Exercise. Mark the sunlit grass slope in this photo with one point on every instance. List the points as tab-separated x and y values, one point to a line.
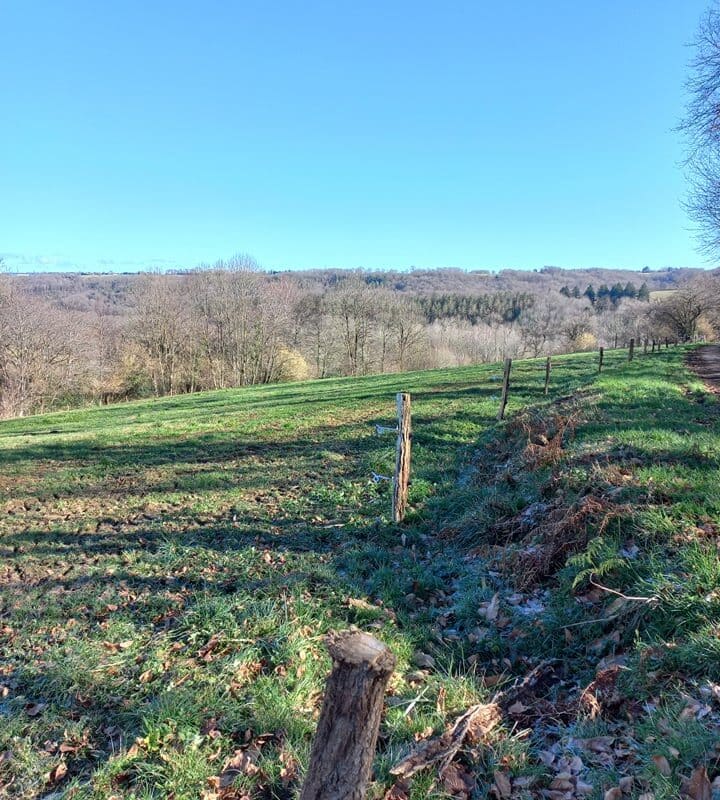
170	568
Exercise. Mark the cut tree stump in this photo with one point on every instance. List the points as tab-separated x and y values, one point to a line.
344	744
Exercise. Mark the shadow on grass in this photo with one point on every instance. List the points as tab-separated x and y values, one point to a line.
287	519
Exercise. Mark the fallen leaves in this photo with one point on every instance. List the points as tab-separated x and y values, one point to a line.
477	721
662	765
400	790
457	781
502	786
56	774
423	660
117	647
244	762
697	786
35	709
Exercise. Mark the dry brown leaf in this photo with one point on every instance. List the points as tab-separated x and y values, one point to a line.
502	787
56	774
546	757
425	733
698	787
115	647
613	794
400	790
457	781
563	782
290	768
241	763
423	660
490	612
598	744
663	767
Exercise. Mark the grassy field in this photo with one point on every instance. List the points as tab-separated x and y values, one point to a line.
170	569
662	294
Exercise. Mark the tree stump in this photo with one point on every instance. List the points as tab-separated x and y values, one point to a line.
344	745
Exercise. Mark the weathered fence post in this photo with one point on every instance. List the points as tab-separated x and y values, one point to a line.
505	388
547	375
344	745
602	356
631	351
402	458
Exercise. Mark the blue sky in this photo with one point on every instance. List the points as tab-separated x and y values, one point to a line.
311	134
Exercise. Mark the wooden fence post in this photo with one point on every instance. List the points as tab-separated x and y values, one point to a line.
602	356
631	351
402	458
505	388
344	745
547	375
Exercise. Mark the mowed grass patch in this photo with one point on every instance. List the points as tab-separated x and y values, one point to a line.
170	569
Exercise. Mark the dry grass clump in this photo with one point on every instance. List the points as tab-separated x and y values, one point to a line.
561	531
545	434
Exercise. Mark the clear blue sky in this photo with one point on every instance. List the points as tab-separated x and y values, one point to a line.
463	133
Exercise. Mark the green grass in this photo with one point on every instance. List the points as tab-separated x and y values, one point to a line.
170	568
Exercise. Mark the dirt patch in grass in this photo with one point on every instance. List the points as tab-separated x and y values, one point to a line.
705	363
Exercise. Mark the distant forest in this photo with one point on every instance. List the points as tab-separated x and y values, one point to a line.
70	339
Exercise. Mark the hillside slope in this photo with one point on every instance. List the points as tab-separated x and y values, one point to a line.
170	568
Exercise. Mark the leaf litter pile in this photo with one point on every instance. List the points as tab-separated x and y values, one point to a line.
555	613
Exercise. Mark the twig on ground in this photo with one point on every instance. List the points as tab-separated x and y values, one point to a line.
479	720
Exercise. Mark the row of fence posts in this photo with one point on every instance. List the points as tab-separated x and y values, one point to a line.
401	478
507	368
646	342
344	745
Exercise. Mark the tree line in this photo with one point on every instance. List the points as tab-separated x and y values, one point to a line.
608	295
231	325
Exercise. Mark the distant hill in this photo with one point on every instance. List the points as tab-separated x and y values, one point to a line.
113	293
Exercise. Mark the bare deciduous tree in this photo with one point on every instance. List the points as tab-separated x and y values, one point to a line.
681	312
39	352
703	133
